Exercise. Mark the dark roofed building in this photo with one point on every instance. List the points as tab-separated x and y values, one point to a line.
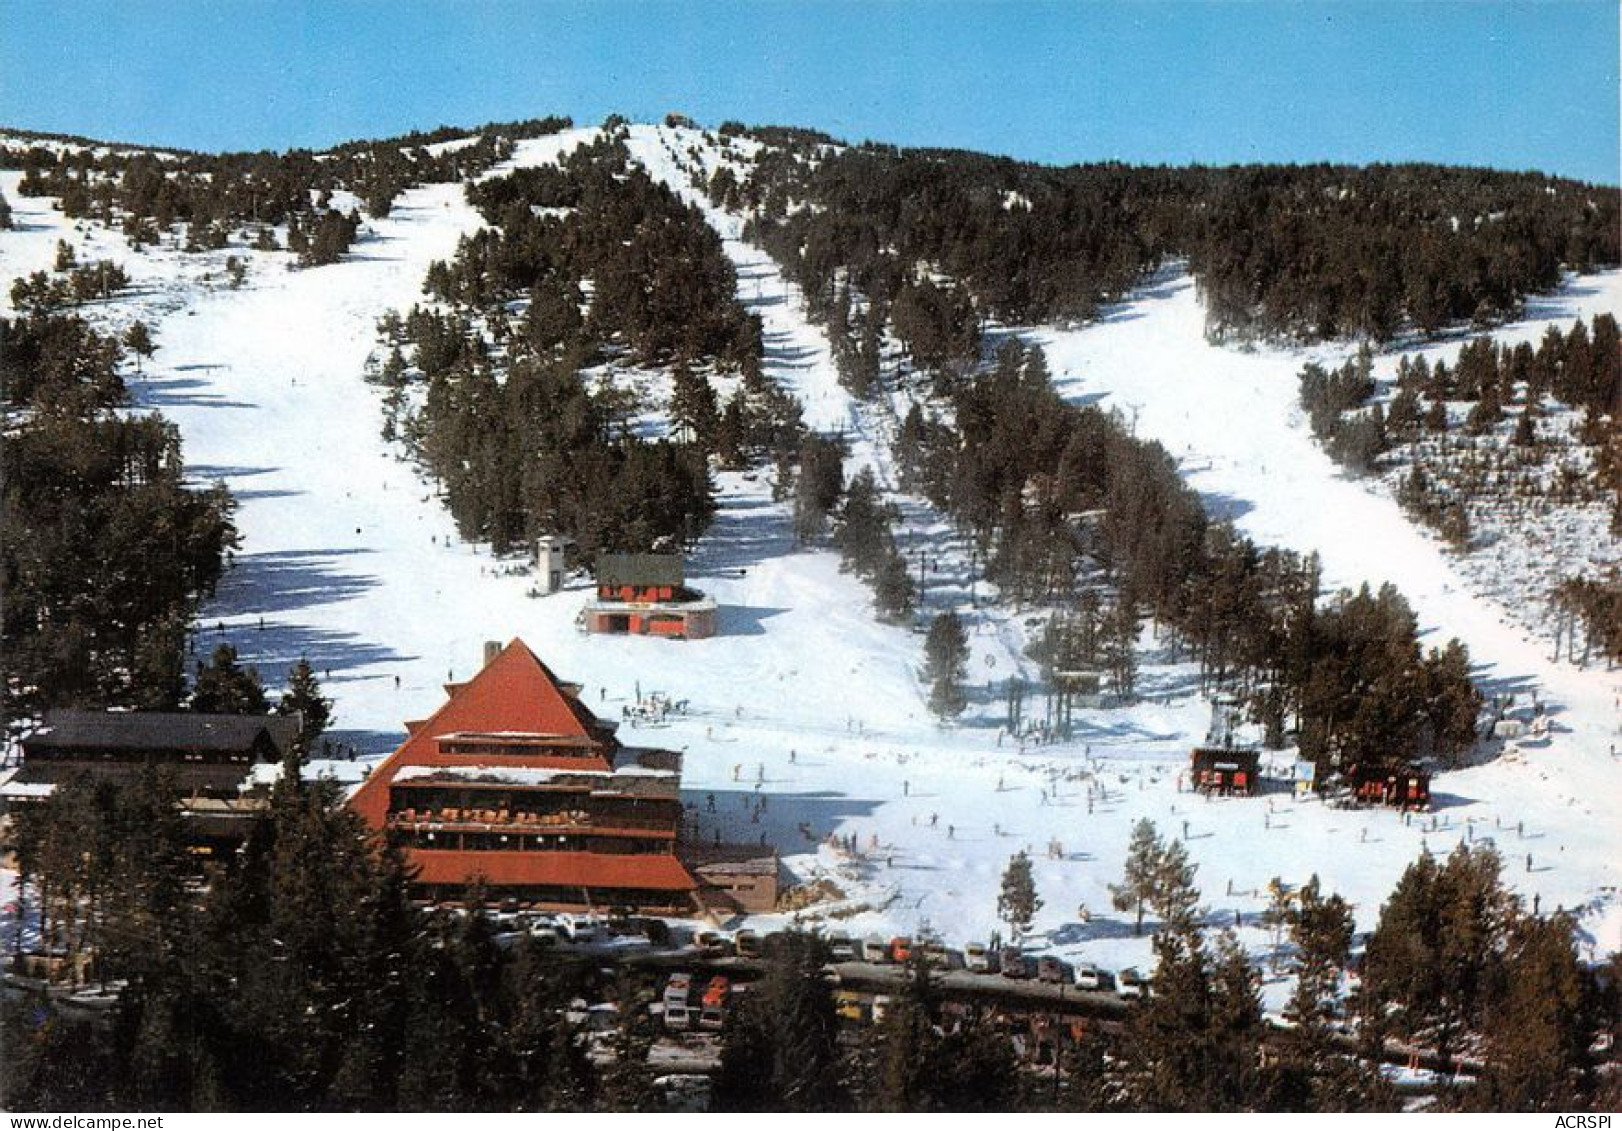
639	572
1400	786
647	595
165	735
1225	770
206	758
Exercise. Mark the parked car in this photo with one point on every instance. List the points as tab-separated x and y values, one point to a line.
713	943
656	931
978	958
842	948
581	928
1131	983
712	1012
748	944
850	1006
1088	976
1052	970
1013	963
900	949
874	949
684	1092
544	934
937	954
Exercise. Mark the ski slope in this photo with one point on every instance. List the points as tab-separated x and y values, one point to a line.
349	558
1232	418
799	358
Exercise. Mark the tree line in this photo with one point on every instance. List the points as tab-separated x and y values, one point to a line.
108	550
147	192
1456	964
71	284
1449	421
1579	369
937	241
1068	509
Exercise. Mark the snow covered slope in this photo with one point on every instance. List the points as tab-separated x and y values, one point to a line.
1232	418
803	700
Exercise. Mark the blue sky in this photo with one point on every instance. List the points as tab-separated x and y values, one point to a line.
1492	82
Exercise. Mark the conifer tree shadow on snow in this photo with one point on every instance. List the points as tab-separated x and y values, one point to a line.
282	581
337	657
744	620
792	823
745	532
1098	927
180	392
366	743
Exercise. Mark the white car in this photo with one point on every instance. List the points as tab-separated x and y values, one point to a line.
580	928
977	958
1089	977
1131	983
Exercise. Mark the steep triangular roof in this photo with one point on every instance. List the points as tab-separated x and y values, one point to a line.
514	694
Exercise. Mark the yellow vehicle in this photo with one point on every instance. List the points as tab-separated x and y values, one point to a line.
850	1006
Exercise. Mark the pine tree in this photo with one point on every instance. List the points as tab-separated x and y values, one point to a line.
894	594
1120	642
979	1071
921	1060
1526	432
627	1083
224	687
1018	904
1438	947
1144	858
303	698
731	431
1321	928
1195	1044
863	533
780	1051
1173	896
1314	1074
139	340
907	1069
693	406
1487	411
818	485
1537	1023
946	661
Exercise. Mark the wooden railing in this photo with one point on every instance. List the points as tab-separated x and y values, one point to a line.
501	820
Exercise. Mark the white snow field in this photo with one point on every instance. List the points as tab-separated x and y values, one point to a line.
349	558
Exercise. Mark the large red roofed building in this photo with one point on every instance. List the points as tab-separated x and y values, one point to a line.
516	787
